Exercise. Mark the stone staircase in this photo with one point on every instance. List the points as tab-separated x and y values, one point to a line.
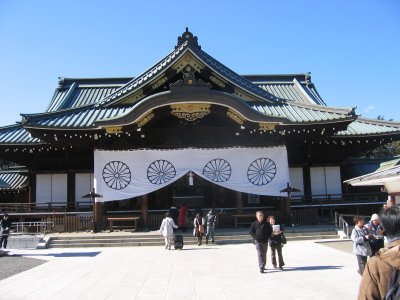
222	236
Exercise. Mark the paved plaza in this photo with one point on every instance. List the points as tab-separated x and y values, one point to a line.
313	271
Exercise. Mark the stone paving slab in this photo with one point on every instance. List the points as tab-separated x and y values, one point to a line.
313	271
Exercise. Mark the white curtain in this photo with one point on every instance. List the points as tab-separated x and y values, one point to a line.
124	174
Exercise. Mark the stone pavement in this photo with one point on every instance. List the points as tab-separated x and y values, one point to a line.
313	271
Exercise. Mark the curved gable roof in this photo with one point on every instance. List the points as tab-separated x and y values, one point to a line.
188	46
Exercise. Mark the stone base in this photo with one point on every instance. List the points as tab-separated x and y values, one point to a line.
23	241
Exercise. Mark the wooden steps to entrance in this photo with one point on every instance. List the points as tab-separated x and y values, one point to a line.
222	236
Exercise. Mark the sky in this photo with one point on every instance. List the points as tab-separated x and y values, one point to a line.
351	47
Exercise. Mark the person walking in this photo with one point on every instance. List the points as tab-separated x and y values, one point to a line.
174	214
198	231
375	228
167	230
5	225
361	248
276	242
182	217
211	220
261	231
379	269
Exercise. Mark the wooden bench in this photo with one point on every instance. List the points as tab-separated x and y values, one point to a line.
115	219
243	219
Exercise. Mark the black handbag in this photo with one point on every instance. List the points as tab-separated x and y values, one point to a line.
283	237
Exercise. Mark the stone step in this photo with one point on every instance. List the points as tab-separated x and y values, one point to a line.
157	240
186	235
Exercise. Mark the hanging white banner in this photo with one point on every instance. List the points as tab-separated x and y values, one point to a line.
121	175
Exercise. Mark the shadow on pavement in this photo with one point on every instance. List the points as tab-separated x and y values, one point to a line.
62	254
308	268
201	248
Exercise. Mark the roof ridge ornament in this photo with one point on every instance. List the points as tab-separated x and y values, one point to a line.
189	79
189	37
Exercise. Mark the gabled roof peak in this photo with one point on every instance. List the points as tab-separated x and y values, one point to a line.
189	37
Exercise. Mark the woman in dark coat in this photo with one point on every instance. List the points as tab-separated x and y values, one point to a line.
198	230
275	242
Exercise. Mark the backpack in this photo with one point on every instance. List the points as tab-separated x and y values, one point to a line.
393	292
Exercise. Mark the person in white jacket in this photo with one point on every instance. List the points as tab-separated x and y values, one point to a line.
167	230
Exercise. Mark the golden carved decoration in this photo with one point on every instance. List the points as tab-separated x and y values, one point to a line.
190	111
235	116
143	121
159	82
267	126
217	81
188	59
114	129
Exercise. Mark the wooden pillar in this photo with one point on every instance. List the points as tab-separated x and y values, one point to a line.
239	203
97	213
71	191
145	210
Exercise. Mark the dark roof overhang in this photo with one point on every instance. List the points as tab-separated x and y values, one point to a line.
187	94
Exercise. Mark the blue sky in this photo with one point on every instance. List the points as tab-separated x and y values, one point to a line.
351	48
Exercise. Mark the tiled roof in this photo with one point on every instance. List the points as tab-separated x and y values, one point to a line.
76	118
376	178
15	134
297	113
15	180
172	57
148	75
4	185
356	167
364	126
240	81
77	92
356	170
293	87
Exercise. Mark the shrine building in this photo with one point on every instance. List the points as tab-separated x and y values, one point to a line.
191	130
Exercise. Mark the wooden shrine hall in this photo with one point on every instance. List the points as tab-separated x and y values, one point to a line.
190	100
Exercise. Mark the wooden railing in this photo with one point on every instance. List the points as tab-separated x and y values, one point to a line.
339	198
49	206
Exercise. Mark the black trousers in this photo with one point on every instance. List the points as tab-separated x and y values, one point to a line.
274	249
261	254
3	241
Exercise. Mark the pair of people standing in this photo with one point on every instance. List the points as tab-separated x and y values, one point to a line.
201	224
261	231
367	239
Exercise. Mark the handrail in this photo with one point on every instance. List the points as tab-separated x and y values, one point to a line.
41	227
343	225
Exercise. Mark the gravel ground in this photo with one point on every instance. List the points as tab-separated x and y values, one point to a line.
11	265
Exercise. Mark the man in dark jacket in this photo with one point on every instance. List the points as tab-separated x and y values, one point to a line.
5	225
261	231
